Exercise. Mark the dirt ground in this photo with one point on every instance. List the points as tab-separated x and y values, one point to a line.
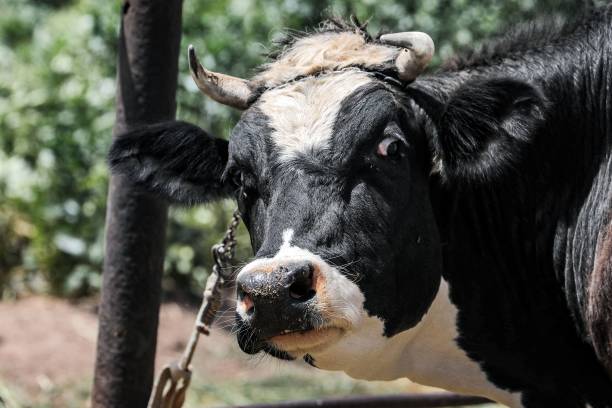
46	343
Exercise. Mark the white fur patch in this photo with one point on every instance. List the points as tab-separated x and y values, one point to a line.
287	237
302	114
331	51
427	353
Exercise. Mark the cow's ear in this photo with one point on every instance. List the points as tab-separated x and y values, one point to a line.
484	127
176	160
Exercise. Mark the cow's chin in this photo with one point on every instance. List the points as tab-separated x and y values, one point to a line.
299	343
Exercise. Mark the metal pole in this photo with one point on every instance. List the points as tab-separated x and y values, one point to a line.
149	44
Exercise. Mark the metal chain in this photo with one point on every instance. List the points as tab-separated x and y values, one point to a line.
223	253
221	276
171	385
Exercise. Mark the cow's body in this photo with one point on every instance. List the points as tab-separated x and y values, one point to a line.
528	257
456	230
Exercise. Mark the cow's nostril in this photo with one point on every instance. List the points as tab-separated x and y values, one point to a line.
301	294
249	306
301	289
245	299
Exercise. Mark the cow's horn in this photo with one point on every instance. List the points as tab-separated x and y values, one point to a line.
418	48
225	89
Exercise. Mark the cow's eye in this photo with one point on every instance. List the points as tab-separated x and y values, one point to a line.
237	178
246	190
243	180
390	147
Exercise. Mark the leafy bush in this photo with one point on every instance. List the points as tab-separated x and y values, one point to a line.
57	87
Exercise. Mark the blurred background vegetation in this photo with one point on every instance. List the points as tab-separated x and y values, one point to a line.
57	88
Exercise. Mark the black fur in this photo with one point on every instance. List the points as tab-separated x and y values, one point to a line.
518	41
177	160
484	125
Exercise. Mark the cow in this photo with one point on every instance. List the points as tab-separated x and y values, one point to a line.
452	227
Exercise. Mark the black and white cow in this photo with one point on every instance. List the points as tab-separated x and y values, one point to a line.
454	228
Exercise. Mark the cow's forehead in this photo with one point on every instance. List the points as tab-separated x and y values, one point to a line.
325	52
302	114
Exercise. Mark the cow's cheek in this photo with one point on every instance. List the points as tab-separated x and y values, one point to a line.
359	352
340	300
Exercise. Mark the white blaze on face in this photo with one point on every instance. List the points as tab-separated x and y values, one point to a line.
426	353
287	237
302	114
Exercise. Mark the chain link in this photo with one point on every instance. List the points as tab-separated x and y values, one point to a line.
223	253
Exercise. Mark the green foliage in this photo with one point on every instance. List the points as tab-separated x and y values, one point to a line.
56	116
57	87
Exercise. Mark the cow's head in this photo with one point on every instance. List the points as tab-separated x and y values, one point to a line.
330	164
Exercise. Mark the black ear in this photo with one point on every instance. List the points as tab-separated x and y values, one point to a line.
176	160
484	127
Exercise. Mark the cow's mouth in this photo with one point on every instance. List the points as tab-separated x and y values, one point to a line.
289	344
300	342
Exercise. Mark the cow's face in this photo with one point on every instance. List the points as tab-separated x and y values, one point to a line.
332	174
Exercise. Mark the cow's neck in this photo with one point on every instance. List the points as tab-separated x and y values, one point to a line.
427	353
518	252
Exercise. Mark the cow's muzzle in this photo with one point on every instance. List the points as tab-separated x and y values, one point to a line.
278	299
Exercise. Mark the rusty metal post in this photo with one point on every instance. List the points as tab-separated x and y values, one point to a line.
149	44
